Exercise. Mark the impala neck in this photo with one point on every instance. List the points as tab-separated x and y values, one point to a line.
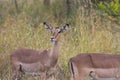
54	54
54	51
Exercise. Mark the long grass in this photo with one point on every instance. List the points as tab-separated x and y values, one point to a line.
87	33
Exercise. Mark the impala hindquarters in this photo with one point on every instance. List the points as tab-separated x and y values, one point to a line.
105	65
36	62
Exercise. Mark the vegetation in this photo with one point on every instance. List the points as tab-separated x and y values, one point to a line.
111	9
89	31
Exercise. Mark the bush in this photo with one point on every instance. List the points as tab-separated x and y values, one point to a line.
111	8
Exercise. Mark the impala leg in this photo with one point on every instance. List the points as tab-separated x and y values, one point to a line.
13	73
43	76
16	73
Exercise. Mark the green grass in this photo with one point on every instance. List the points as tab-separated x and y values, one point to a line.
87	33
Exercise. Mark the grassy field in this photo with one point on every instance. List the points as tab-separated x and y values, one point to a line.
87	33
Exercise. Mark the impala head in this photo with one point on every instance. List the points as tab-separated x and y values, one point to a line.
55	31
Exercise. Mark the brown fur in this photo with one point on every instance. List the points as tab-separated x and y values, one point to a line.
104	64
26	55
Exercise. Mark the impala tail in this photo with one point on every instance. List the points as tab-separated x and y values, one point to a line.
71	68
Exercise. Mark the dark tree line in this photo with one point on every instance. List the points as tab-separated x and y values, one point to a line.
70	4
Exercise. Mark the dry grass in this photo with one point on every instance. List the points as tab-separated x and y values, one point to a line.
16	33
88	33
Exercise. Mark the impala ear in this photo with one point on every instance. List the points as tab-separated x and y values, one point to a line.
47	26
65	27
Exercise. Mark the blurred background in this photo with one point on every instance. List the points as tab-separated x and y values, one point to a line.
94	27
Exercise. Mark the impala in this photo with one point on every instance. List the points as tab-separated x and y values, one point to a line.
105	65
36	62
